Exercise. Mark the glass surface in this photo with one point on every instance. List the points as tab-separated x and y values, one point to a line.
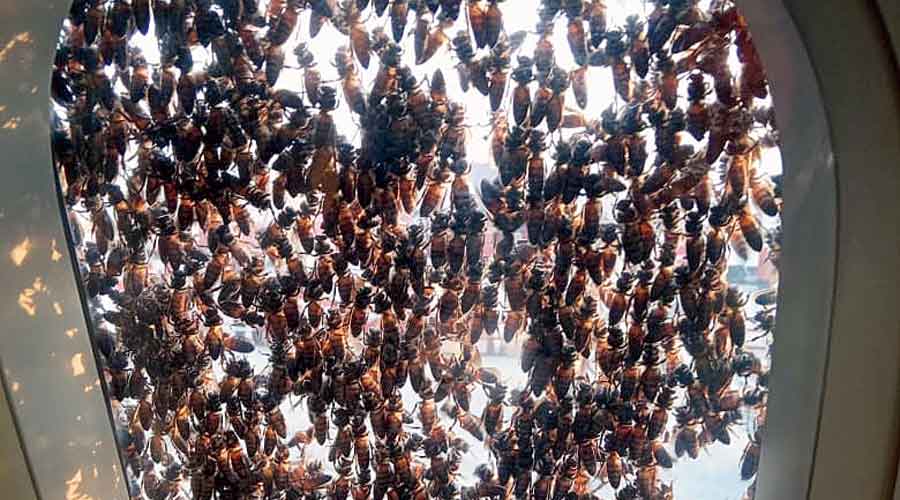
162	240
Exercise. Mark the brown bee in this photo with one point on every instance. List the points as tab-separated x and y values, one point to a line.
698	117
753	75
399	12
763	194
559	83
638	49
498	70
578	78
616	50
469	422
359	35
750	458
575	34
750	229
614	469
350	80
596	15
434	192
312	78
687	441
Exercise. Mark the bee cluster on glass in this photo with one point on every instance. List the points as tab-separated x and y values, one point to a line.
204	202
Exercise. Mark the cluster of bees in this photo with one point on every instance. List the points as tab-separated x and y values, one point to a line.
203	199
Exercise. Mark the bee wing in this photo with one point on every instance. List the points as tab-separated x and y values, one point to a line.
765	297
516	39
399	15
490	376
361	43
449	408
476	15
493	24
316	21
237	344
433	41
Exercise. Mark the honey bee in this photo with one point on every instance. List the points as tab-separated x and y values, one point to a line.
616	50
750	229
750	458
350	80
597	21
498	70
575	34
434	192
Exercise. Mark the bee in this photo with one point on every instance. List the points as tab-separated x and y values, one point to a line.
434	192
498	69
285	21
472	291
523	76
638	49
597	21
763	193
136	274
753	76
470	423
454	140
359	35
750	457
616	50
750	228
618	300
578	78
141	10
575	34
312	78
559	83
698	116
350	80
668	80
687	439
734	303
469	69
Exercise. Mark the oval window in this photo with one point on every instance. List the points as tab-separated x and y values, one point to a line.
435	248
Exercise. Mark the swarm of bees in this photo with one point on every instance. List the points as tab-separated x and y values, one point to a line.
205	200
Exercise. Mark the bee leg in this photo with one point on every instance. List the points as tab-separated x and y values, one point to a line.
444	199
764	334
155	246
358	128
